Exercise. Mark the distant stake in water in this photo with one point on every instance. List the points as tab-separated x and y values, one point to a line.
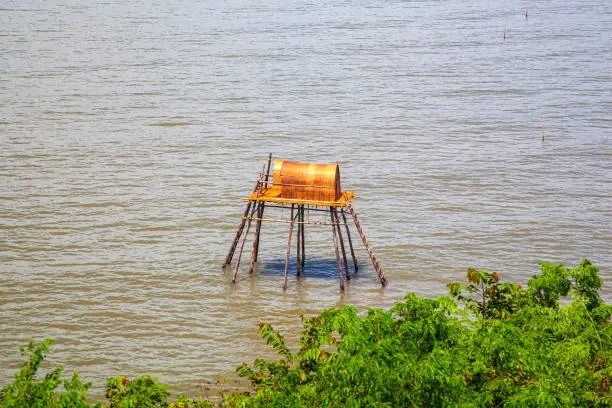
527	10
505	27
543	113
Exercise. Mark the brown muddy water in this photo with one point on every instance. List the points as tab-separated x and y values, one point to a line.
131	131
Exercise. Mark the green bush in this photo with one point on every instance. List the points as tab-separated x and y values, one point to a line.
26	391
142	392
486	344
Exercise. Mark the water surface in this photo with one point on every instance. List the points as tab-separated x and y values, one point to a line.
130	132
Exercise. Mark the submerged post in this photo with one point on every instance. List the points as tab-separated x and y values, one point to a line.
331	212
288	250
253	207
242	246
298	260
303	260
350	241
230	255
346	268
256	191
260	212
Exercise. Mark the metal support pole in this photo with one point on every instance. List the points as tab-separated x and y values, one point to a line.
288	250
337	220
298	260
377	267
230	255
303	236
242	246
268	170
350	241
331	213
261	212
254	252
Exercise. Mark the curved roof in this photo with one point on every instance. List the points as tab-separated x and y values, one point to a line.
307	181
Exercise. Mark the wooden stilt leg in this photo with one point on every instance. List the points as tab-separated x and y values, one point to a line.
230	255
298	259
249	206
260	210
377	267
261	213
242	246
267	176
337	220
350	241
303	236
334	230
288	249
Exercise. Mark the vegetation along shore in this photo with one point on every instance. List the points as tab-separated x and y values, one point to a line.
488	343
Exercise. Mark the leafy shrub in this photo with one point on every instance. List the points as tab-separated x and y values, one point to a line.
142	392
487	344
26	391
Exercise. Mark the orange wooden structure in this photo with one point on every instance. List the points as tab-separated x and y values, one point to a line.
307	181
300	186
303	184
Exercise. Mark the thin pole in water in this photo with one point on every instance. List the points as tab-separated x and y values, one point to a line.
303	237
505	27
337	220
348	234
543	114
334	233
299	241
244	238
288	250
255	251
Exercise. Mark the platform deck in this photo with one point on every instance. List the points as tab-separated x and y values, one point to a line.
272	194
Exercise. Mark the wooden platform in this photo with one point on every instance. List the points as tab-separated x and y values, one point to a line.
273	194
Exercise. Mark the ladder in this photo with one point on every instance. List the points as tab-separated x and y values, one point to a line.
375	263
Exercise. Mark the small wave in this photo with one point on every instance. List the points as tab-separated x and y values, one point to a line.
171	124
